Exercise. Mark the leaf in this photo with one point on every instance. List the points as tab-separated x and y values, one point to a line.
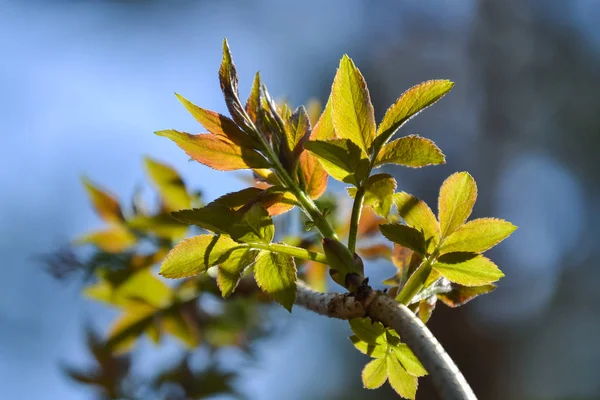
375	373
195	255
351	109
297	131
162	225
460	295
404	236
231	270
314	175
417	214
374	350
106	206
253	225
379	191
216	153
410	103
340	260
169	184
402	259
314	110
410	151
467	269
375	251
115	239
341	158
457	197
236	200
275	274
368	331
219	125
478	236
129	326
228	78
178	324
401	381
323	129
213	217
275	199
409	361
253	104
426	308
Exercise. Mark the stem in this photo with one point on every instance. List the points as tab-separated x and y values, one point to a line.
298	252
355	218
416	281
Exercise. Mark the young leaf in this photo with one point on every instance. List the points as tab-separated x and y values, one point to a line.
405	236
417	214
253	225
410	151
375	251
468	269
182	328
379	193
375	373
478	236
297	131
213	217
275	274
368	331
457	197
275	199
169	184
253	103
409	361
401	381
129	326
460	295
229	85
115	239
314	175
412	102
340	260
323	129
213	152
107	207
341	158
378	350
352	111
217	124
195	255
231	270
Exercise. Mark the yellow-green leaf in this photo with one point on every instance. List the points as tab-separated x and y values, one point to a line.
315	176
467	269
401	381
324	129
105	204
417	214
409	361
130	326
217	124
374	350
169	184
297	131
405	236
352	111
412	102
341	158
253	225
228	79
426	308
253	104
176	324
368	331
213	152
375	373
379	191
213	217
410	151
457	197
195	255
231	270
275	274
115	239
460	295
478	235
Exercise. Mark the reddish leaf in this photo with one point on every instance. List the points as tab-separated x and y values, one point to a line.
315	176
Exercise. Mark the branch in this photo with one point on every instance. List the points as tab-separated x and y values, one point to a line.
447	378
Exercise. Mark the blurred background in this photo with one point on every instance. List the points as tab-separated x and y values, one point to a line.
85	83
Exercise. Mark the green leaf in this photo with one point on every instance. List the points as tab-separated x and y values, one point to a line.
213	217
352	111
169	184
457	197
409	361
426	308
297	131
195	255
374	350
412	102
478	236
460	295
217	124
315	176
176	323
410	151
228	79
231	270
467	269
106	206
341	158
253	225
323	129
401	381
379	191
161	225
115	239
213	152
275	274
236	200
253	104
405	236
130	326
368	331
375	373
417	214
